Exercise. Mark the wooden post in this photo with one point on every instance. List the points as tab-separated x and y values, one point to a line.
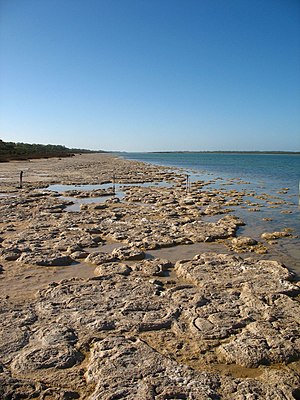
187	184
21	180
114	183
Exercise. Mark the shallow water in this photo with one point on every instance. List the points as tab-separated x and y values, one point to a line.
119	192
271	177
65	188
284	252
75	207
267	183
266	169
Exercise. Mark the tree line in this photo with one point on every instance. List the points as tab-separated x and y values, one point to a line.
24	151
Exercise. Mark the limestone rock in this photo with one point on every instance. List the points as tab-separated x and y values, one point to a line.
199	231
243	244
241	389
10	254
48	348
93	206
78	255
224	271
275	235
99	257
14	329
243	241
109	269
46	260
246	301
128	253
120	302
130	369
155	267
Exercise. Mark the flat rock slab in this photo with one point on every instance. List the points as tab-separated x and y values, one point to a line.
109	269
110	317
269	236
246	302
130	369
219	271
99	257
119	302
128	253
155	267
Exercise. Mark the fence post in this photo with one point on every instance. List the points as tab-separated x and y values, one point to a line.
21	180
114	183
187	184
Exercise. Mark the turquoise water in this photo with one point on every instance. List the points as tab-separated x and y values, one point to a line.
275	171
256	174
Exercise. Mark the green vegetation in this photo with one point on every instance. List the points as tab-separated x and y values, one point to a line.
24	151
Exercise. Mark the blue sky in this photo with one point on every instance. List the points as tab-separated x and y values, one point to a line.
139	75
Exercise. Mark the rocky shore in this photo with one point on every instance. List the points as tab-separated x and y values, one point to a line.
93	308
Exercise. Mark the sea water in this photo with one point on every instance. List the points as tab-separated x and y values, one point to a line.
258	174
274	171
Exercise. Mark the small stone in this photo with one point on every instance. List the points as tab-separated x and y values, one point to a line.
275	235
109	269
243	241
128	253
78	255
99	257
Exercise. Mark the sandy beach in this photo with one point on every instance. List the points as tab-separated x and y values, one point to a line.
136	286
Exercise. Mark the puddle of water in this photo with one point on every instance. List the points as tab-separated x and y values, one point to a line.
87	200
286	250
109	247
120	194
65	188
257	221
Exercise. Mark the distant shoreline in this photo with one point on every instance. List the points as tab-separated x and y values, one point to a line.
28	157
206	152
11	151
221	152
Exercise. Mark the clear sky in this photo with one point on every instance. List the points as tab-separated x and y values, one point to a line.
146	75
